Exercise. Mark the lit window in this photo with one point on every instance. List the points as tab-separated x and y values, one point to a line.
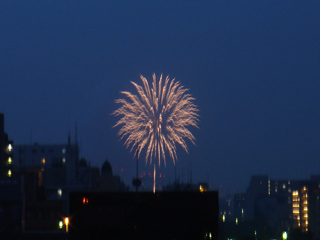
43	160
304	188
223	218
60	224
236	221
64	151
85	200
9	160
283	186
201	188
295	193
63	160
59	192
9	173
10	147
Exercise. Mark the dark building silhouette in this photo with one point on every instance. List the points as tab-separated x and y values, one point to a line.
144	215
6	151
239	204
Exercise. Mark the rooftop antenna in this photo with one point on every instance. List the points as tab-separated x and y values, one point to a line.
76	134
69	138
77	150
80	147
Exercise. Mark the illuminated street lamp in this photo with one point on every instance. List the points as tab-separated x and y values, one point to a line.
66	222
284	235
60	224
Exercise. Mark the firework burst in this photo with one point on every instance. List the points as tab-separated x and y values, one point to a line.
157	118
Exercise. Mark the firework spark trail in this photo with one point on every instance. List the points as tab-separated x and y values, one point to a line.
157	118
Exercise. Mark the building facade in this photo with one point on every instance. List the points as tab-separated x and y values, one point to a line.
6	151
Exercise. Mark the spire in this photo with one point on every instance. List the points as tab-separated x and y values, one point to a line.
69	138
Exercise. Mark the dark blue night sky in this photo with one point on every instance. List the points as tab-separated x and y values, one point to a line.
253	67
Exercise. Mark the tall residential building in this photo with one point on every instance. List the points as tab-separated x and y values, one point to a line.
6	156
239	206
57	163
259	187
305	206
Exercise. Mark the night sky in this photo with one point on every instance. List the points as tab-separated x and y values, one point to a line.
253	67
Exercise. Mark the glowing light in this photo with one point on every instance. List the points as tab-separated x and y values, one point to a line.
66	222
43	160
60	224
9	173
284	236
223	218
9	160
85	200
10	147
157	118
59	192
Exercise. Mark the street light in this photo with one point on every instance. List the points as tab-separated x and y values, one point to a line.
66	222
284	235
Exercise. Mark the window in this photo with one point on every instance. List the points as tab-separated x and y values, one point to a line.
9	147
64	151
56	162
59	192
